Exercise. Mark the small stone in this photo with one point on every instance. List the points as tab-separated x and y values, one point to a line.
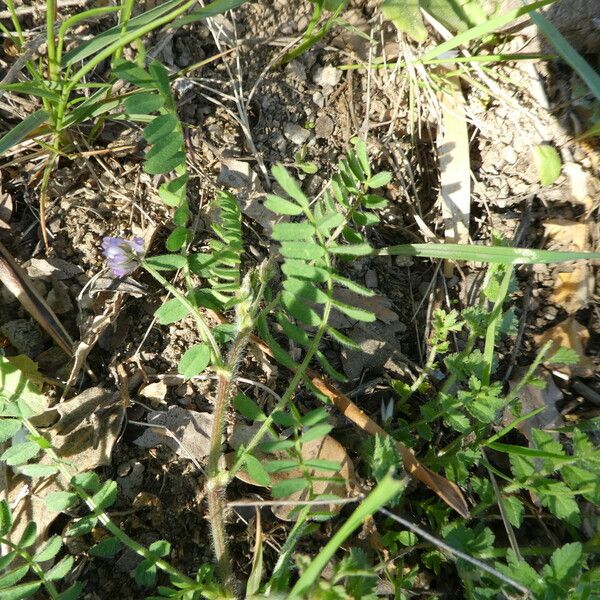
296	134
124	469
155	392
371	279
509	155
58	298
235	174
328	75
318	99
296	70
324	127
24	335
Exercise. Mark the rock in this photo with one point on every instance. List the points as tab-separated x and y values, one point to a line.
318	99
371	279
235	173
58	298
328	75
324	127
56	267
155	392
296	70
296	134
509	155
24	335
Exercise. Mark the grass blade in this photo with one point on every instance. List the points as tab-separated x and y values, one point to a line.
486	254
481	30
568	53
22	130
380	496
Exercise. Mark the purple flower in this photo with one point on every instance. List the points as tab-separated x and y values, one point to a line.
122	256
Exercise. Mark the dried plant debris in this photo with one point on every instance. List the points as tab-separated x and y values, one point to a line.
186	432
533	397
575	336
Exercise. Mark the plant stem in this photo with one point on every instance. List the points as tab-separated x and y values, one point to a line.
215	483
203	328
50	40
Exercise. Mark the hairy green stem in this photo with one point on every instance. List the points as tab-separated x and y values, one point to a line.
215	483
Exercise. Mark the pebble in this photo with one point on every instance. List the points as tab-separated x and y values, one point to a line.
296	134
297	70
328	75
371	280
24	335
510	155
318	99
324	127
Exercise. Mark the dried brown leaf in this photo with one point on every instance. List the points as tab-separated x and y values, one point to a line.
532	398
570	334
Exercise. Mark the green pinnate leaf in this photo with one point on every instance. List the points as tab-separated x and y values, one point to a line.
195	360
380	179
359	314
107	548
159	127
257	471
106	496
290	185
288	487
35	471
145	573
300	310
71	593
49	549
548	163
20	453
167	262
143	103
28	536
302	250
171	311
305	289
315	433
60	569
281	206
177	239
12	577
6	519
60	501
293	232
88	480
19	397
248	408
161	548
8	428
